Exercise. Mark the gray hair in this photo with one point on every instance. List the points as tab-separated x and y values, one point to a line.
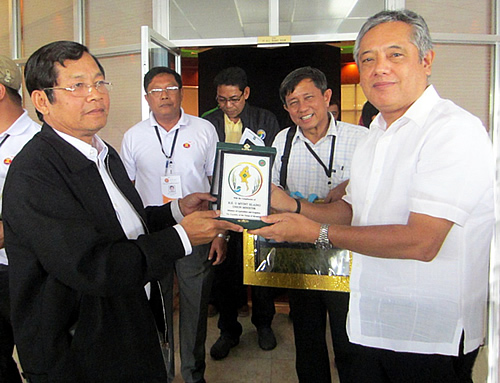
420	37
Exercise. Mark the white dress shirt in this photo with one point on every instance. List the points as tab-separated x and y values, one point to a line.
13	140
305	174
129	219
435	160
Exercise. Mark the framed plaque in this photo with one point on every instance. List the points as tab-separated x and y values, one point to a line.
294	265
242	183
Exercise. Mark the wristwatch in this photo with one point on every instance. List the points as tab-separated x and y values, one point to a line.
323	243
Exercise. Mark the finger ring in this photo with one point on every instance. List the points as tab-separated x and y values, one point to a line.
226	237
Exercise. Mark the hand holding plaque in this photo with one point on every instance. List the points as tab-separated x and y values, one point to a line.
242	183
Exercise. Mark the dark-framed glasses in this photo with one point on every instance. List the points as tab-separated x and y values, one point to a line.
158	92
223	100
83	90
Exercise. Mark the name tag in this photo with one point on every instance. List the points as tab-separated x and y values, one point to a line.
171	187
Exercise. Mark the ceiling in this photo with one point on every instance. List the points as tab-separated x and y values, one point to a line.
195	19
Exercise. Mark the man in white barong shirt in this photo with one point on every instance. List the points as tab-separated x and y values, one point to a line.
418	216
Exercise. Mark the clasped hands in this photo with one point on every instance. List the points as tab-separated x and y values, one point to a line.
200	224
285	225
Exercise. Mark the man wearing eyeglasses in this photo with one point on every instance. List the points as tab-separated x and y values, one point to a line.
81	246
235	115
16	128
168	156
317	164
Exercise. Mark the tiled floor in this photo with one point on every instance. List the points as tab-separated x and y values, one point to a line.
247	363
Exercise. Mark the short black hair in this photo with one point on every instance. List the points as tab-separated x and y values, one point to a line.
295	77
40	71
232	76
367	114
153	72
334	101
14	95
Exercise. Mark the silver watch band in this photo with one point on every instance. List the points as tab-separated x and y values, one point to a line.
323	243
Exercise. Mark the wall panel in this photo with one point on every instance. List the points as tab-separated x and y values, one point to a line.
113	23
455	16
44	22
464	81
4	29
125	111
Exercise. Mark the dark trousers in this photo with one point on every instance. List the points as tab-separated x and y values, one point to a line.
309	309
384	366
226	292
8	368
194	275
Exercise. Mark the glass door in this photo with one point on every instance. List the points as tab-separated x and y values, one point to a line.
156	51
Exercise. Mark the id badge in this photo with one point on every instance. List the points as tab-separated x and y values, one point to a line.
171	188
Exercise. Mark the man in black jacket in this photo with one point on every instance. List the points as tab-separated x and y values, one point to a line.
235	115
80	244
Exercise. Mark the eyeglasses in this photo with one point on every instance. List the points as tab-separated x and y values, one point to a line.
158	92
223	100
83	90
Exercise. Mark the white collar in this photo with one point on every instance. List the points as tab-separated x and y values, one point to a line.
97	149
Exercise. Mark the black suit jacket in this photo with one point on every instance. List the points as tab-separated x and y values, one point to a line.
79	309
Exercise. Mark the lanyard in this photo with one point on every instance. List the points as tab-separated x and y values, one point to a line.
161	145
329	170
4	139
